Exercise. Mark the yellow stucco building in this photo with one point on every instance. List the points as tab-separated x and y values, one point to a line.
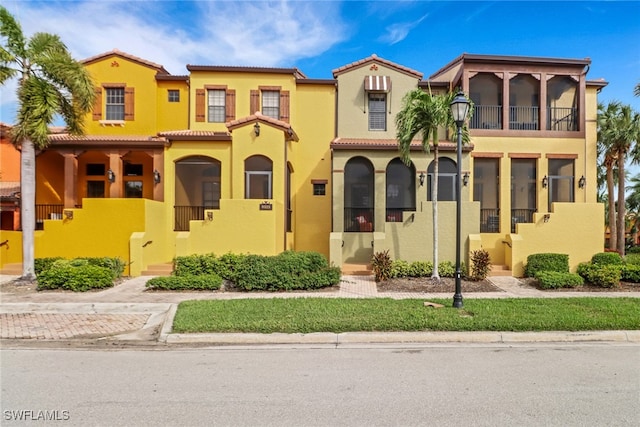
262	160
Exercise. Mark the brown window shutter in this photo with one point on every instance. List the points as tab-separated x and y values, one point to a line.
97	105
230	104
284	106
200	97
129	96
255	101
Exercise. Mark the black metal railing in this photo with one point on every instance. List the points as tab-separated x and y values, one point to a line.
562	118
184	214
490	220
358	220
486	117
524	118
47	212
520	216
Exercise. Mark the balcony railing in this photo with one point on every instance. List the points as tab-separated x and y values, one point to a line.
520	216
184	214
358	220
47	212
487	117
490	220
524	118
395	214
561	118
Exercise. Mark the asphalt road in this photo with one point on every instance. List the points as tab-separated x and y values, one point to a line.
574	384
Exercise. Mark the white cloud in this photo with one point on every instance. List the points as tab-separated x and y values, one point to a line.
397	32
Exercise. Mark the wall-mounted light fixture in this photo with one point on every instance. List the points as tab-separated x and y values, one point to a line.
256	129
111	176
582	182
156	176
546	218
421	179
545	181
68	214
209	216
465	179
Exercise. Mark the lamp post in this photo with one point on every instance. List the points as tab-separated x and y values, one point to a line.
459	110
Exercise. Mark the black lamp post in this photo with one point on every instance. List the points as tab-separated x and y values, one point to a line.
459	110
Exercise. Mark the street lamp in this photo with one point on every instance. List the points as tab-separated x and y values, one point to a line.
459	110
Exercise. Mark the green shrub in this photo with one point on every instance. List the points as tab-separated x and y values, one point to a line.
115	265
327	276
606	276
41	264
420	269
633	250
630	273
447	269
607	258
194	265
546	262
554	280
399	268
633	259
381	263
228	265
208	282
480	264
81	278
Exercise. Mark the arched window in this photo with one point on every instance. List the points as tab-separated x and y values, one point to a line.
400	189
358	195
447	173
258	172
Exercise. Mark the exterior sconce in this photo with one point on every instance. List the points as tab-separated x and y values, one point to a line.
545	182
582	182
68	214
156	176
111	176
421	178
209	216
465	179
546	218
256	129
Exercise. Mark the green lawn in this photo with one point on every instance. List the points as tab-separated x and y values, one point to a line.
307	315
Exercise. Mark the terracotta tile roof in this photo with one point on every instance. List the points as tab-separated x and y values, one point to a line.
9	189
261	118
60	137
195	135
376	58
116	52
242	69
388	144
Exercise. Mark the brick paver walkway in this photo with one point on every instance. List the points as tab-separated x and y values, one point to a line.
52	326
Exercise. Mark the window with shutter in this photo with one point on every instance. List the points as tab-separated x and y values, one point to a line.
129	97
284	106
200	101
216	106
377	111
255	101
271	104
115	103
97	105
231	104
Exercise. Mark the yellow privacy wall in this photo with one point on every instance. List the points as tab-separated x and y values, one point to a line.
11	249
240	226
101	228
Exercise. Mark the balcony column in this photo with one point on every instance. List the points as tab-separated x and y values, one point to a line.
158	165
505	100
70	179
115	187
543	101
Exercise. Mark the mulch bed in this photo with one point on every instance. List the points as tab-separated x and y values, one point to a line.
425	284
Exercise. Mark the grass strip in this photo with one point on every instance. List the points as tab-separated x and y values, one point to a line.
306	315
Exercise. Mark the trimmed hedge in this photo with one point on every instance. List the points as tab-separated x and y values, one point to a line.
607	258
554	280
546	262
42	264
208	282
195	265
606	276
74	276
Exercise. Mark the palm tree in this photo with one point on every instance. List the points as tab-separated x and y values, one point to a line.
50	82
423	113
636	90
618	132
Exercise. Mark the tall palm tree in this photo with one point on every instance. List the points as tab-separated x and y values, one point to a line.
619	132
424	113
50	83
636	90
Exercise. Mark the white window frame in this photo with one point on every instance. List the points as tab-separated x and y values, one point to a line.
377	111
271	103
114	105
249	174
216	105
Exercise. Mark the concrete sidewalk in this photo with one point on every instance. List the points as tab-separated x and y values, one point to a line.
128	315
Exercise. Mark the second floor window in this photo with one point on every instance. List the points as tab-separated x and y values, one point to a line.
174	95
377	111
115	103
271	104
216	104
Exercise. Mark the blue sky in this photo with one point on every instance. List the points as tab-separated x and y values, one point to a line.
319	36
